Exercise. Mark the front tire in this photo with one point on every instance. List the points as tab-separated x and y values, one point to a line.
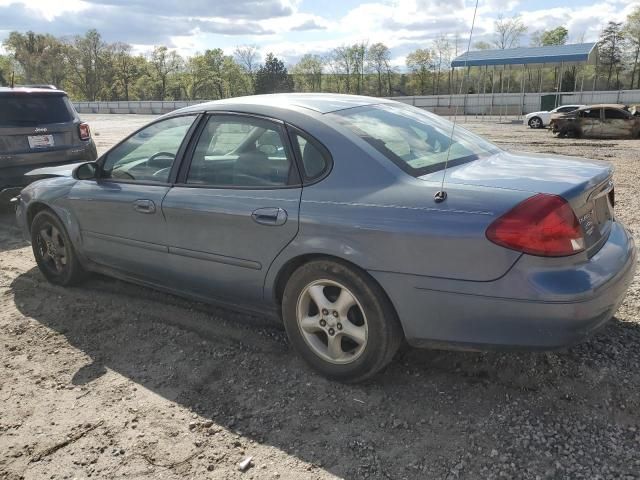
53	250
535	122
340	321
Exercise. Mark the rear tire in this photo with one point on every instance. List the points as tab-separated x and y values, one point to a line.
53	250
340	321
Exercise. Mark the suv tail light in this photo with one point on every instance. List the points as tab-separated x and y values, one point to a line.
85	132
542	225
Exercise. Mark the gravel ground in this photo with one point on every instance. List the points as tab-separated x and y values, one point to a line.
110	380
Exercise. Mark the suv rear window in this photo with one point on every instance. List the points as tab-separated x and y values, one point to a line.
28	110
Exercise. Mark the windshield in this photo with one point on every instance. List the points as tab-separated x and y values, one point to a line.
415	140
27	110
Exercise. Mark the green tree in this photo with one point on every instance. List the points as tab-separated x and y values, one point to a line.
419	62
610	50
164	63
632	34
555	36
272	77
40	57
7	70
87	58
307	73
127	68
378	61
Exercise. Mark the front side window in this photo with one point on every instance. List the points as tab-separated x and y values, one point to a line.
566	109
419	142
592	113
236	151
149	154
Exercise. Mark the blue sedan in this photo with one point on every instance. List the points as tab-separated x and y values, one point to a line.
361	222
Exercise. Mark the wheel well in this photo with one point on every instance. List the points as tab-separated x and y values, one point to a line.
34	209
292	265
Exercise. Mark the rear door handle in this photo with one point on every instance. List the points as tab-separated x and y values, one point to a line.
144	206
269	216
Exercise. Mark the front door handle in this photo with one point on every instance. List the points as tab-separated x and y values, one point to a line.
144	206
270	216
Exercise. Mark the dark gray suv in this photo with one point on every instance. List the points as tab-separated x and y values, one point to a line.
38	127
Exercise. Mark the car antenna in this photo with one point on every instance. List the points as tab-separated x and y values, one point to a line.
441	195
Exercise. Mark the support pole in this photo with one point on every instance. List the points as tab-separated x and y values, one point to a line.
559	87
493	84
506	104
501	94
478	90
522	76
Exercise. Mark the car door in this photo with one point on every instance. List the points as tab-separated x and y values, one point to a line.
234	208
119	213
617	123
590	122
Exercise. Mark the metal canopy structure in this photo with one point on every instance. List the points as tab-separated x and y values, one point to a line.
578	52
525	60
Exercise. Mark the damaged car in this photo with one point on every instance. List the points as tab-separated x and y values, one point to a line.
597	121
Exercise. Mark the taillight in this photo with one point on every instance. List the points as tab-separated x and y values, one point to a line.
541	225
85	133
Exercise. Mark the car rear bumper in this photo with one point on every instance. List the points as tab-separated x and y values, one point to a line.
537	304
14	167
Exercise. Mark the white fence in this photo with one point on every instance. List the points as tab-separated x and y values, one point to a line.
471	104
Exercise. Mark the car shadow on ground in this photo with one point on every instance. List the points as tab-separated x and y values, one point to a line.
427	412
10	235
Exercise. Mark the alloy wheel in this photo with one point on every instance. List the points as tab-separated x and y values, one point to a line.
52	248
332	321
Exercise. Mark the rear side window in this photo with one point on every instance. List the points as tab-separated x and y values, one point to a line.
30	110
315	160
614	113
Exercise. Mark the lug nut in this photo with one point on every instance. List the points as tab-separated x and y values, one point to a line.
325	311
331	331
335	314
339	326
323	323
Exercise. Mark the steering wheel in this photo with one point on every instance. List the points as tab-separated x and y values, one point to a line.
121	174
161	171
251	181
161	154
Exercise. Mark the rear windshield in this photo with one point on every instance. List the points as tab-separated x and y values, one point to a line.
27	110
415	140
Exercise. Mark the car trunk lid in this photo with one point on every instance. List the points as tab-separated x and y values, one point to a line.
586	184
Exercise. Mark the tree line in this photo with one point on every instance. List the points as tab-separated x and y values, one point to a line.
89	68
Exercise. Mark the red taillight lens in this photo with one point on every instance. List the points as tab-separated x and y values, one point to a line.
85	133
541	225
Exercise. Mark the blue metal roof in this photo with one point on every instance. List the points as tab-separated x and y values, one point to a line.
578	52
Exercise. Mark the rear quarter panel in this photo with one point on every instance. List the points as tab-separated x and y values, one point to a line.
370	213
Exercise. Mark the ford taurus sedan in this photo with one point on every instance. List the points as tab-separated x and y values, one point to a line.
328	211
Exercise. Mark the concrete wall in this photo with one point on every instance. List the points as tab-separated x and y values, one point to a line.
141	107
513	103
474	104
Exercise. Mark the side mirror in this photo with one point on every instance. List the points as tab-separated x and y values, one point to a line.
86	171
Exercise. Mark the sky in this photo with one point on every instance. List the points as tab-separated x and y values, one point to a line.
291	28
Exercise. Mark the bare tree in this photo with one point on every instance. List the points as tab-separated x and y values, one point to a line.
248	57
508	32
